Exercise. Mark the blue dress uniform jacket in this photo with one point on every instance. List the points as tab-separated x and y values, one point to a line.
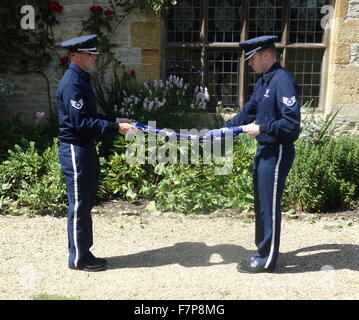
79	124
275	107
76	103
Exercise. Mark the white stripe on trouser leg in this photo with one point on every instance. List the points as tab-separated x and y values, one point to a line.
76	203
275	187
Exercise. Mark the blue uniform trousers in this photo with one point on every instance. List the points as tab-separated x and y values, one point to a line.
270	169
80	165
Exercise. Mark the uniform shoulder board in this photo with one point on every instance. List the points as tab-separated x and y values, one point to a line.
289	101
77	104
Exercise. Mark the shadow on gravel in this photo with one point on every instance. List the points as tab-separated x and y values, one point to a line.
198	254
320	257
187	254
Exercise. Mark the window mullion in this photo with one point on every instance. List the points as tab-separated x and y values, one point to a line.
243	69
285	36
204	43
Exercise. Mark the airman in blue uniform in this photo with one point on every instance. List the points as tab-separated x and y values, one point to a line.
79	124
272	116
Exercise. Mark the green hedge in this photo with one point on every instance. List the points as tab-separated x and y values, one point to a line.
324	176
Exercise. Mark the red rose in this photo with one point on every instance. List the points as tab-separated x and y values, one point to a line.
54	6
96	9
109	12
64	60
133	72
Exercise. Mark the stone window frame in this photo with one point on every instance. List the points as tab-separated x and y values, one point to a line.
243	70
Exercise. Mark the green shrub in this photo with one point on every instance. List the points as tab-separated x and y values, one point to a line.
180	187
324	176
196	188
15	131
30	179
6	89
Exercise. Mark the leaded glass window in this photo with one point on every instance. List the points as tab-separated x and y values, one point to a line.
203	36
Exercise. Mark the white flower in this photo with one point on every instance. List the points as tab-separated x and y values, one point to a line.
150	106
39	116
145	104
206	94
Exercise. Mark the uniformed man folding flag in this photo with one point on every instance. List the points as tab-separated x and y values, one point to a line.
79	124
272	115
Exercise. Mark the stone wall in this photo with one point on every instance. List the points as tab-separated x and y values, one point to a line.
138	47
343	68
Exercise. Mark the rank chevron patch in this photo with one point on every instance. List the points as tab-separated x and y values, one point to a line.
289	101
77	104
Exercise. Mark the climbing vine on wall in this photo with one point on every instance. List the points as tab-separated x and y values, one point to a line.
26	50
30	50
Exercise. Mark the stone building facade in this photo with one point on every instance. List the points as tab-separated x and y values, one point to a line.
343	65
140	45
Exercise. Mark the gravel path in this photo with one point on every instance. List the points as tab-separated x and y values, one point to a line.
172	256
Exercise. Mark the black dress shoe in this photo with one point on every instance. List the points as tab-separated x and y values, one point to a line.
91	266
252	266
95	260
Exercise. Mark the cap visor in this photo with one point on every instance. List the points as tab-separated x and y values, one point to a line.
249	56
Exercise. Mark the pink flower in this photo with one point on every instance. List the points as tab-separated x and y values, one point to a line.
39	116
133	72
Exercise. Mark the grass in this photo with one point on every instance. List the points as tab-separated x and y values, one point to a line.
45	296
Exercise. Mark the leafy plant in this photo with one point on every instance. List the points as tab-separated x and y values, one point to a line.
26	51
6	89
34	180
316	127
324	176
14	131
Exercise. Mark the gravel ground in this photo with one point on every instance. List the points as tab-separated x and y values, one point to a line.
173	256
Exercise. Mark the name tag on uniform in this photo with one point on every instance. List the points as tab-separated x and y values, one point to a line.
289	101
77	104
